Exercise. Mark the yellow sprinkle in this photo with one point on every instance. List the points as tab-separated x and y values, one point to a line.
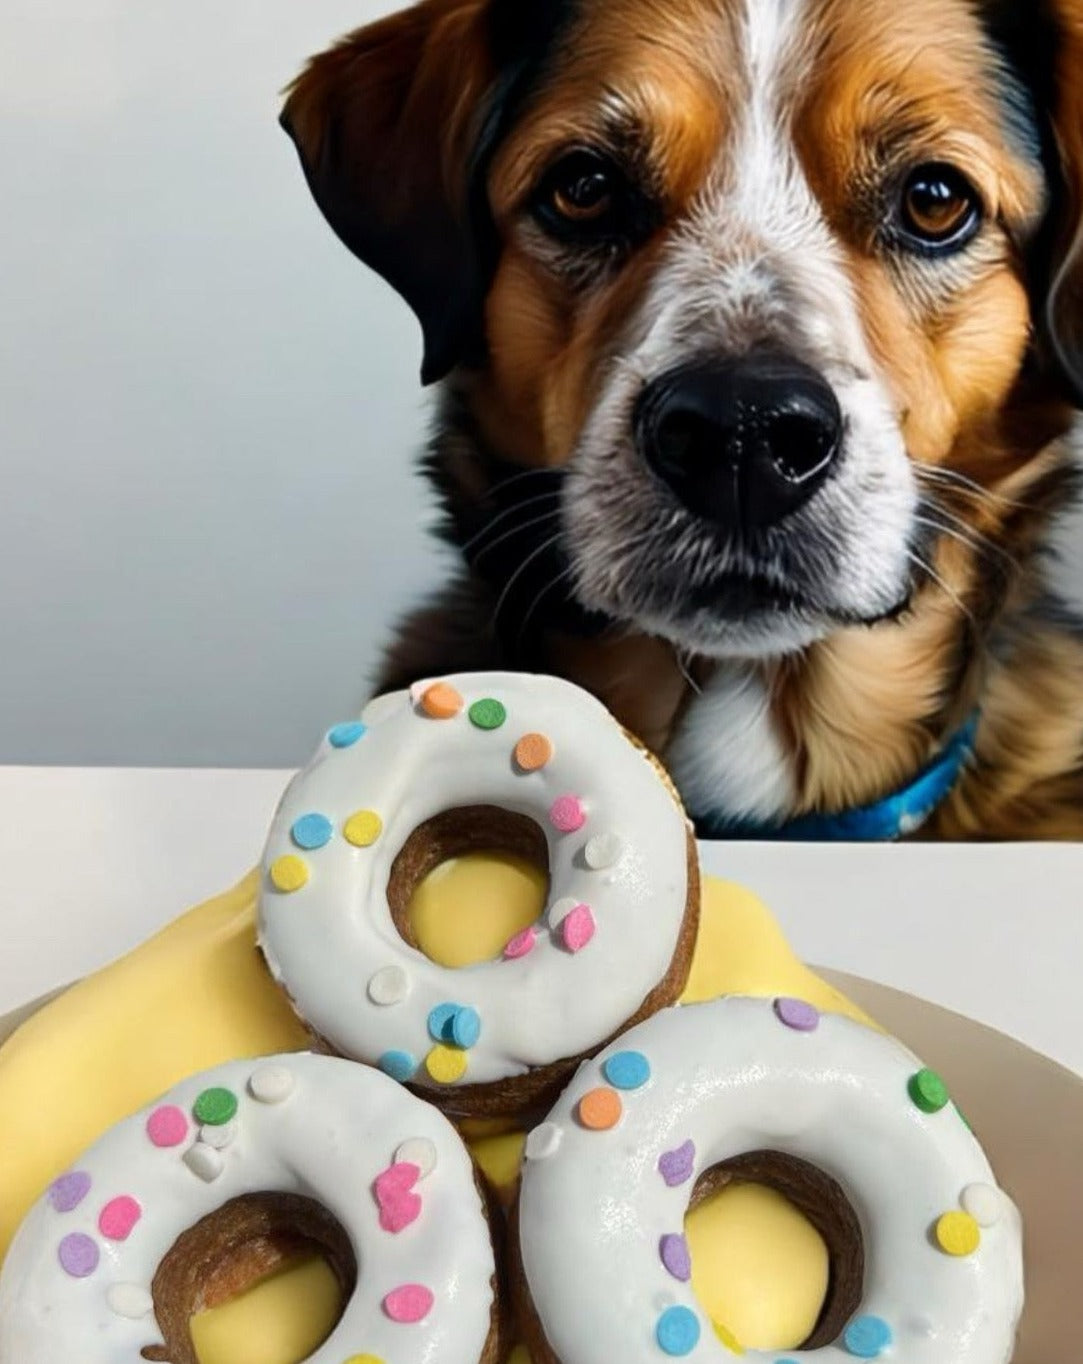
728	1339
363	1359
289	873
958	1234
446	1064
363	828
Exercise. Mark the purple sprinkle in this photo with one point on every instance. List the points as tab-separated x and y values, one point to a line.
675	1167
78	1255
69	1190
796	1014
675	1257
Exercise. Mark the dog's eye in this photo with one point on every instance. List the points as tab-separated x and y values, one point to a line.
586	197
940	208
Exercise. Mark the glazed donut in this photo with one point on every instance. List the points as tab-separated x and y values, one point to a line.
186	1203
926	1251
528	764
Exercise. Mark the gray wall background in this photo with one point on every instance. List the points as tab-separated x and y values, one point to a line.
208	411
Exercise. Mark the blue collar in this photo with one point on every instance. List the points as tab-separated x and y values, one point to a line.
895	816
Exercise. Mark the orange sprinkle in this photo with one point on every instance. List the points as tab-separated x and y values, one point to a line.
441	701
533	751
600	1109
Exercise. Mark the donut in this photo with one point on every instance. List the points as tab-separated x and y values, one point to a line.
232	1172
514	762
926	1262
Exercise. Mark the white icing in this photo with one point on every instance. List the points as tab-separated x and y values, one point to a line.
731	1078
417	1151
327	941
542	1141
328	1142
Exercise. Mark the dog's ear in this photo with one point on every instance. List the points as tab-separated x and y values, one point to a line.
384	124
1064	305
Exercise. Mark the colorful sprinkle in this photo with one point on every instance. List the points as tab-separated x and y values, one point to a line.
419	1151
577	928
219	1137
446	1065
543	1141
271	1084
390	985
867	1337
560	909
676	1167
67	1192
957	1233
533	752
466	1028
346	735
797	1014
566	814
728	1339
215	1106
603	851
78	1255
928	1091
627	1070
600	1110
363	828
408	1303
289	873
400	1065
677	1331
363	1359
312	831
399	1206
675	1256
440	1020
441	702
984	1203
118	1218
487	714
167	1126
204	1161
521	945
129	1300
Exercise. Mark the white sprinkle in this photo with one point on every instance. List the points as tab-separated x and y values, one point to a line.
984	1203
560	909
390	985
129	1300
218	1137
271	1084
544	1141
204	1161
603	851
419	1151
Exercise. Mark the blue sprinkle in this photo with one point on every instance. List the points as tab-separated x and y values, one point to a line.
677	1331
312	831
442	1021
867	1337
345	736
400	1065
627	1070
465	1028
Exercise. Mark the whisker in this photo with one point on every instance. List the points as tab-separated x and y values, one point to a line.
561	577
961	483
535	554
948	591
502	516
516	530
963	534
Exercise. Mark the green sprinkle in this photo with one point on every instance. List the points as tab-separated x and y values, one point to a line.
488	714
215	1107
928	1091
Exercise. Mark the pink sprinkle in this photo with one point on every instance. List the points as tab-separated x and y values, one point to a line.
566	814
521	945
411	1302
167	1126
118	1217
577	928
398	1206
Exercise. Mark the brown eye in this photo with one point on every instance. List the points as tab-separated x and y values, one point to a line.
583	189
940	207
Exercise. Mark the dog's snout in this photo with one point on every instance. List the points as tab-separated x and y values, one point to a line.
743	443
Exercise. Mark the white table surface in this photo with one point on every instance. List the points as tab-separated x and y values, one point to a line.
94	860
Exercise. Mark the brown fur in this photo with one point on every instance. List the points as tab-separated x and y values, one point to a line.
971	369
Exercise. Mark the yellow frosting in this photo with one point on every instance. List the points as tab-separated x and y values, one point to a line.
197	994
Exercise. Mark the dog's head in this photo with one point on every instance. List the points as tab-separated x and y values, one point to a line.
763	278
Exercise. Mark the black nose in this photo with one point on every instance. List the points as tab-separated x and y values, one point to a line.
742	444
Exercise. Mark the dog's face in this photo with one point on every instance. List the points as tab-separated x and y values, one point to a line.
755	274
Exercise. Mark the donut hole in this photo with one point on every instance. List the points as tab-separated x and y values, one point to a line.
245	1243
467	881
778	1258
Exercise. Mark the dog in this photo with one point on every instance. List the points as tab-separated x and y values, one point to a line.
759	331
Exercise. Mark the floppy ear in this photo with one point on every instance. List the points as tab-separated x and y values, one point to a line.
1064	307
385	123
